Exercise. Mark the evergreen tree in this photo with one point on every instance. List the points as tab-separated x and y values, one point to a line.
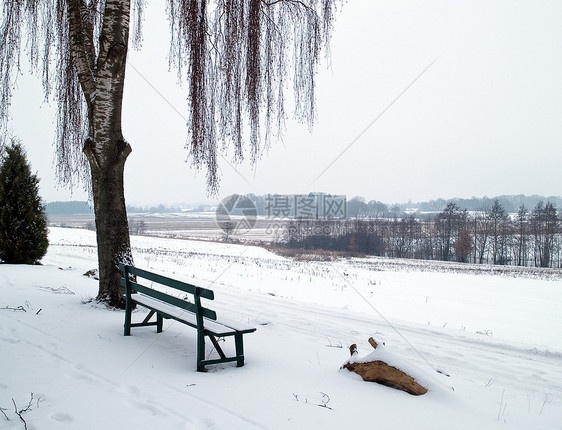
23	224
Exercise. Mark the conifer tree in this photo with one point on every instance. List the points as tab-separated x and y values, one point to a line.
23	224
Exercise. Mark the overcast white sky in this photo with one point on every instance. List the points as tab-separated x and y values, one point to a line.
484	119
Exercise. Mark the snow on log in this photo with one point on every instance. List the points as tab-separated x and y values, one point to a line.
375	370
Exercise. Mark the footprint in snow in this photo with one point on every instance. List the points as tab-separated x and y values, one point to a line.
61	417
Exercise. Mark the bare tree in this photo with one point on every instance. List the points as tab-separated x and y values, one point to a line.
235	54
521	227
545	224
463	245
498	218
405	235
482	232
447	226
228	228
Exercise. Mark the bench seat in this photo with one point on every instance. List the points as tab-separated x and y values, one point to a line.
161	298
222	327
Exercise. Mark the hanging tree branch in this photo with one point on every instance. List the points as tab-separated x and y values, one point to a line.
238	60
237	57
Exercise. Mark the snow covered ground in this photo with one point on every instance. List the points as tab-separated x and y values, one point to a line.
497	336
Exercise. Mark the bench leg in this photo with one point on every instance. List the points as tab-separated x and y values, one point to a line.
127	326
200	351
159	320
239	349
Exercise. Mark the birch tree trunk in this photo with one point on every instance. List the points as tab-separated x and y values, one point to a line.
102	78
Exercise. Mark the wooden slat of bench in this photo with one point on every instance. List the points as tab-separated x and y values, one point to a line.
218	328
174	283
175	301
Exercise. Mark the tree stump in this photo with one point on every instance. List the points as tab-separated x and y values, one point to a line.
382	373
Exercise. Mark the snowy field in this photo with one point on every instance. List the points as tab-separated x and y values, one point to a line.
498	337
179	225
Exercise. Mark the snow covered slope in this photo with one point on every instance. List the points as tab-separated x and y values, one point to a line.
498	337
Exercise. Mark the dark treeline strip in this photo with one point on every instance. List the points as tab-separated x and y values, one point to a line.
489	236
83	207
68	208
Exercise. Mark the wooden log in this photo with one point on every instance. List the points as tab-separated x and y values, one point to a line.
382	373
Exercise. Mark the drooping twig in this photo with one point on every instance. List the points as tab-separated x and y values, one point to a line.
485	333
501	404
546	401
4	413
334	345
323	402
21	411
19	308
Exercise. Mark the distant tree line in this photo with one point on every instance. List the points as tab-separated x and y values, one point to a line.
82	207
487	236
68	208
153	209
356	207
511	203
359	207
137	227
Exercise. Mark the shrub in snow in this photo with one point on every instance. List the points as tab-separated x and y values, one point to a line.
23	224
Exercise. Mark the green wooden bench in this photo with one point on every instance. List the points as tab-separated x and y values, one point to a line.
162	300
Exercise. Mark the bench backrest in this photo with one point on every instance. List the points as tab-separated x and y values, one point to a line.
197	292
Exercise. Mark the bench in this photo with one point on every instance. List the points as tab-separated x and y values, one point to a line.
165	304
